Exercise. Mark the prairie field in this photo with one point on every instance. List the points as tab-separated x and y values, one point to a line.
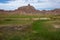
29	27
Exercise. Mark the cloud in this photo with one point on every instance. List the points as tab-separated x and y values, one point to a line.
38	4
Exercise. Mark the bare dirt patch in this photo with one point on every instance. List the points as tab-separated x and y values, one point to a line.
56	26
14	28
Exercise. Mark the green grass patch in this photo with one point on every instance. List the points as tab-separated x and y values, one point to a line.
44	32
15	22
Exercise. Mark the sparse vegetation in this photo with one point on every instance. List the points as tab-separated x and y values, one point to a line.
37	29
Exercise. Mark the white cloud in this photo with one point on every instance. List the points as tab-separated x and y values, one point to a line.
43	4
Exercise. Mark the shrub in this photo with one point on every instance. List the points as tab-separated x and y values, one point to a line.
8	19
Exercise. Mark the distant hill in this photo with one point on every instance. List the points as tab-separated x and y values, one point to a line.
27	9
31	9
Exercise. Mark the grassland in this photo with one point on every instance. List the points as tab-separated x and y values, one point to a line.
37	30
45	31
20	18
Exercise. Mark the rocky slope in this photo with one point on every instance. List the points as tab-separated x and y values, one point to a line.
31	9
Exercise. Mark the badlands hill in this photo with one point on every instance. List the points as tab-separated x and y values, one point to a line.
30	9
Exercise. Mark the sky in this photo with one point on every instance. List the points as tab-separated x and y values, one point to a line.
38	4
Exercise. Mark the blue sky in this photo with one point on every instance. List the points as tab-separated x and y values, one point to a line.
4	1
38	4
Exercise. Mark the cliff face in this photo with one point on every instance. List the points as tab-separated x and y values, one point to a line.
31	9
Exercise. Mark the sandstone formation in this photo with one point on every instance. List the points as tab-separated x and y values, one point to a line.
30	9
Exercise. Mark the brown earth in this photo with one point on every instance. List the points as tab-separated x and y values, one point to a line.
14	28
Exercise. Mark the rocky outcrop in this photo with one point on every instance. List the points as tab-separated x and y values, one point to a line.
27	9
30	9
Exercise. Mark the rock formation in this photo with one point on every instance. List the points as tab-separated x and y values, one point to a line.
31	9
27	9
